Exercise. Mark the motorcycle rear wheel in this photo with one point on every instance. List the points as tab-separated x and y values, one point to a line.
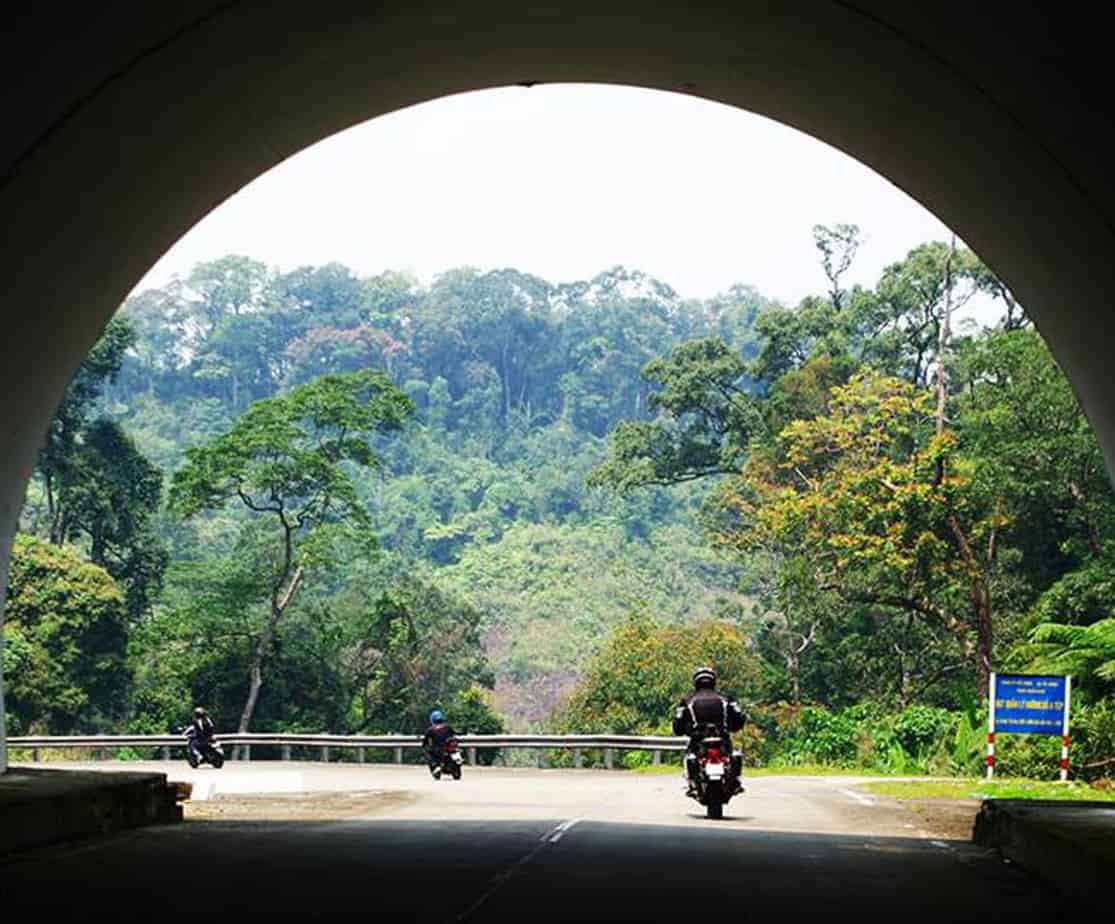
714	800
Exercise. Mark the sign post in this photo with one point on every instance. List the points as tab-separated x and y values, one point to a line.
1065	732
1029	704
991	731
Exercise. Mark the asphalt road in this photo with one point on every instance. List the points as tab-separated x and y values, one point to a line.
505	845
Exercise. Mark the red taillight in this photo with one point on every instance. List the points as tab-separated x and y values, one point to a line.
713	754
451	746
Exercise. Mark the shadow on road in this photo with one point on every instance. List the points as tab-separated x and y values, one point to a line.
700	816
516	870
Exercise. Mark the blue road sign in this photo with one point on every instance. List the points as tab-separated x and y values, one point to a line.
1031	704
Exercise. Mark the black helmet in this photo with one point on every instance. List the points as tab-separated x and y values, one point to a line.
704	677
198	712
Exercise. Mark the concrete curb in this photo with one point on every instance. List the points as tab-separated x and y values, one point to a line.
41	807
1070	845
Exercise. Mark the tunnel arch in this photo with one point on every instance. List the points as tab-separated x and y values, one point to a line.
126	126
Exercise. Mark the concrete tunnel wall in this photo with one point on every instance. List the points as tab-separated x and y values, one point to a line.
126	124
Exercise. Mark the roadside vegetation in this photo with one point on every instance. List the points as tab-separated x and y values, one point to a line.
996	789
319	502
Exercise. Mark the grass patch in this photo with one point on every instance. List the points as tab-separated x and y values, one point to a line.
774	770
809	770
995	789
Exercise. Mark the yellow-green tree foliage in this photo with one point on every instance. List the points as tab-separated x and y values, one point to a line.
884	507
65	634
634	683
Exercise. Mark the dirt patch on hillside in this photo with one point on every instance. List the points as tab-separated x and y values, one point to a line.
308	806
529	702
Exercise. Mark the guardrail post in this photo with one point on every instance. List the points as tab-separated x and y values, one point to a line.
472	757
324	754
398	755
543	761
578	758
360	755
247	752
166	754
609	758
657	758
35	754
286	752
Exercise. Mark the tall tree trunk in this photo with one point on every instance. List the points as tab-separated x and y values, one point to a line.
51	509
978	582
793	665
905	671
793	662
979	592
255	681
506	388
981	599
263	648
1095	544
943	336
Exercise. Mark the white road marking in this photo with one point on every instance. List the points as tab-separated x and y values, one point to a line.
552	836
941	844
559	832
859	797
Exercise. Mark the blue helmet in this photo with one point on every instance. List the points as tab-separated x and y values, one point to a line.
436	716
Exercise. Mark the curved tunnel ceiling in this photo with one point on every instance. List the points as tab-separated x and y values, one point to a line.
126	125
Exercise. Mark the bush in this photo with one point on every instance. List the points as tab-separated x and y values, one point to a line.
1032	756
818	736
867	736
472	713
920	729
1093	741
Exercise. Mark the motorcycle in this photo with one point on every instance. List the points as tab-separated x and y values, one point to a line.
718	776
451	761
211	750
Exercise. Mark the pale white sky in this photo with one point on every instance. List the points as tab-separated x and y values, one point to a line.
565	181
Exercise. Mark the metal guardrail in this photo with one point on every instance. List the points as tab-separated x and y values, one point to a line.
578	744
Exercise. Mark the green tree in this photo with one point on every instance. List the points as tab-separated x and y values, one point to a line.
108	496
286	459
1019	415
709	416
65	635
414	647
56	459
838	247
101	493
195	645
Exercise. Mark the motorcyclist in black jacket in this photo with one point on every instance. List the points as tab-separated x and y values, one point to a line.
200	730
696	712
434	741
